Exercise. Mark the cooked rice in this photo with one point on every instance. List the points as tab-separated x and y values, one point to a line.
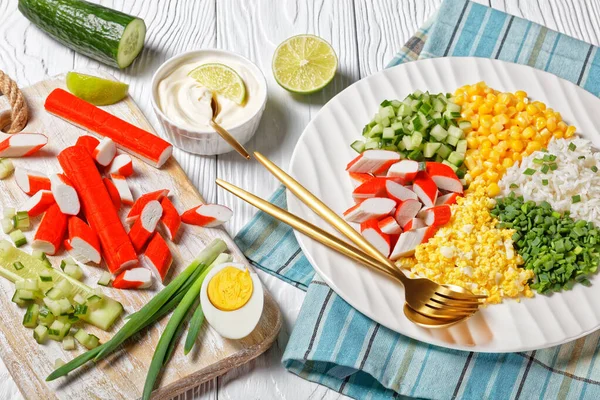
574	176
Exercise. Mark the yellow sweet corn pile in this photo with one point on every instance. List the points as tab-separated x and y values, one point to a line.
504	128
472	253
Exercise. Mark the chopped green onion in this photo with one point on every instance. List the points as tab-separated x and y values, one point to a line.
545	182
529	171
594	168
513	186
576	199
545	169
572	146
553	166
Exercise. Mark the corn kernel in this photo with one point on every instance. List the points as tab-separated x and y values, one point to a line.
485	152
522	120
551	123
500	108
511	111
507	162
485	109
516	157
527	133
540	123
472	143
517	145
497	127
570	131
521	94
485	121
493	189
562	126
475	172
540	106
493	138
533	146
532	110
492	175
520	106
559	134
494	155
504	98
502	135
545	134
515	133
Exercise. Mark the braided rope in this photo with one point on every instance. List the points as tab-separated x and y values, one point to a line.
20	113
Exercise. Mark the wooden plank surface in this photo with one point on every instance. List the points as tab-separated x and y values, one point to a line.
369	30
120	376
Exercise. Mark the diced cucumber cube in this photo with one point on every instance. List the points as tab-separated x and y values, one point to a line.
7	225
81	336
430	149
438	132
417	123
79	299
25	294
92	342
466	126
461	147
18	265
59	362
40	334
8	212
18	238
105	278
372	144
69	343
58	330
452	140
456	132
6	168
388	133
358	146
67	261
31	316
407	141
64	286
387	112
53	306
65	306
416	139
452	107
80	309
404	110
454	167
45	316
456	158
45	276
94	301
376	130
21	220
386	122
397	127
55	293
444	151
74	271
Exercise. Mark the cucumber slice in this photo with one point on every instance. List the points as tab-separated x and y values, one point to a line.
31	316
69	343
358	146
105	279
18	238
40	334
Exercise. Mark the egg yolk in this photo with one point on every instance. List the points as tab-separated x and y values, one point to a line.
230	289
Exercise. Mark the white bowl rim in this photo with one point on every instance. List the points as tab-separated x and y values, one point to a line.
258	74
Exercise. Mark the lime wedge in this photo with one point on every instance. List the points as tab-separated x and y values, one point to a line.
98	91
304	64
222	80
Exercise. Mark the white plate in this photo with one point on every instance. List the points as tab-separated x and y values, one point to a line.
319	161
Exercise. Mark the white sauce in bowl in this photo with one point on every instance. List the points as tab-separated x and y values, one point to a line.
187	104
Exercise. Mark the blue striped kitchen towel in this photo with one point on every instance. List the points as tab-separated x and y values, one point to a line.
336	346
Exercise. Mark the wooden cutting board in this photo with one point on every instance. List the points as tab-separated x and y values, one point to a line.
122	375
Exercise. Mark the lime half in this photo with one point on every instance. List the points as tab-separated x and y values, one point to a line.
304	64
98	91
222	80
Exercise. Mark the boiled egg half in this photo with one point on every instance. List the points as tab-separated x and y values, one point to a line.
232	300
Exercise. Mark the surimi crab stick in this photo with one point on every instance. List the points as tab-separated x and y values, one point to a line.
207	215
158	256
389	226
89	142
145	225
444	177
113	192
31	182
141	202
396	191
136	278
170	220
403	171
121	165
51	231
359	178
413	224
449	199
436	216
22	144
117	250
150	148
65	194
123	188
82	243
408	241
370	231
376	207
425	188
38	203
105	152
372	188
373	161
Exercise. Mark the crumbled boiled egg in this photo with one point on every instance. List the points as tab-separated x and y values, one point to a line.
232	300
472	253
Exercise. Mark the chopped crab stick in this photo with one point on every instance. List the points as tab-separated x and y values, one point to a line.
123	188
426	189
390	226
31	182
22	145
207	215
449	199
145	225
38	203
373	162
65	194
105	152
136	141
413	224
444	177
121	165
136	278
117	250
141	202
170	220
397	192
51	231
374	187
89	142
113	192
82	243
408	241
373	208
370	231
158	256
436	216
359	178
404	171
407	210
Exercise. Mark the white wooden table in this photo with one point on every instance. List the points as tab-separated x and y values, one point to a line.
365	34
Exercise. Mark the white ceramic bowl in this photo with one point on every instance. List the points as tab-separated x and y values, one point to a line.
207	142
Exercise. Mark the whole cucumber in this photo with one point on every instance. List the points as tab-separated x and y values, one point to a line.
101	33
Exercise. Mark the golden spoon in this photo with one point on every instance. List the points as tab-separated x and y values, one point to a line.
216	108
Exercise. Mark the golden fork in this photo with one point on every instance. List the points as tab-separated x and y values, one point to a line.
423	295
424	316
